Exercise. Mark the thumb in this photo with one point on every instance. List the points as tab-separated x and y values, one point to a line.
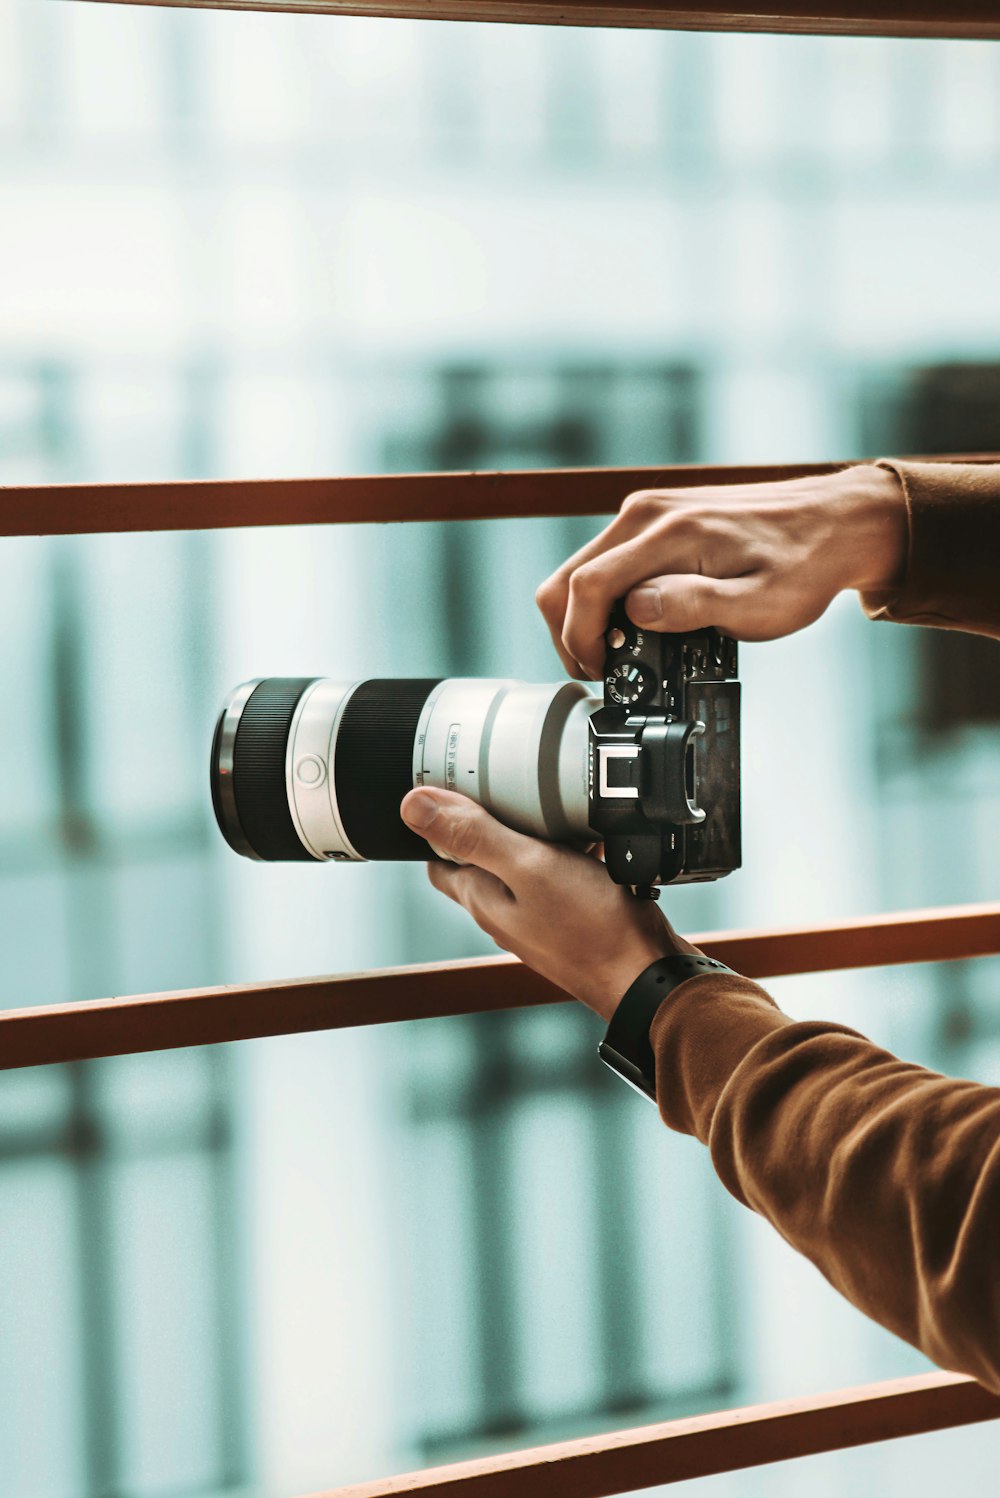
462	830
687	601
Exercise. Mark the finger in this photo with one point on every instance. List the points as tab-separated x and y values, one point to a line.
552	597
595	587
461	829
483	895
678	603
744	607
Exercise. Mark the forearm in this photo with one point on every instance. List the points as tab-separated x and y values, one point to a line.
952	573
886	1176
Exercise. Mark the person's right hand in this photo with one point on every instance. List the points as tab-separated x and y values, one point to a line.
755	560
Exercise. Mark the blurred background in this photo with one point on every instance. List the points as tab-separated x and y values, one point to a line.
238	244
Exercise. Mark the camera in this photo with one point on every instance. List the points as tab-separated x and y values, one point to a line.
309	768
664	759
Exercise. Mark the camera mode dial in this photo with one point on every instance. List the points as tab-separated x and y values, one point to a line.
630	682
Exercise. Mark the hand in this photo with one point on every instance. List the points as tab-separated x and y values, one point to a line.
755	560
555	909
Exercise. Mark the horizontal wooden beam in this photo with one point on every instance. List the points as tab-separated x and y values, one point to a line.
727	1441
944	935
214	504
210	504
208	1016
915	18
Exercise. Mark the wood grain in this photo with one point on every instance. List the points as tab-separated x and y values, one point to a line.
933	18
208	1016
727	1441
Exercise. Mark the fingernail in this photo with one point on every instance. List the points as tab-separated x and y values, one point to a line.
419	809
645	605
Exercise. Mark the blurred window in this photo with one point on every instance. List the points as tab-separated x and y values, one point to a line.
120	1306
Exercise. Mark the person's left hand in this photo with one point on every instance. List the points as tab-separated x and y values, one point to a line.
555	909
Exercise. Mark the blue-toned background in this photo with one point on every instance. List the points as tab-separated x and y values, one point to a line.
235	244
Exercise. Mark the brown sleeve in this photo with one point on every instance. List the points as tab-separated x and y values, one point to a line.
886	1176
952	577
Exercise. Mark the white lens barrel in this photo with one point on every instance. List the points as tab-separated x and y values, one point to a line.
517	748
309	770
354	748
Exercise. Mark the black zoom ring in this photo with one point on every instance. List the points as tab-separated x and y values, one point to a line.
259	768
373	766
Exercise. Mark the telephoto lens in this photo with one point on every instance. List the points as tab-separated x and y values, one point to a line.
309	768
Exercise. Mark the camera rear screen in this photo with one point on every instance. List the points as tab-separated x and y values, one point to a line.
715	843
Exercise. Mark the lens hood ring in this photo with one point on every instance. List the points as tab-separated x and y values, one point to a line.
223	765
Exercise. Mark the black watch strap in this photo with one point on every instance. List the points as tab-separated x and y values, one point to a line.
625	1047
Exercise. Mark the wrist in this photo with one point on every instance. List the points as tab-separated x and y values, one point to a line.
627	1047
638	935
875	528
614	979
608	982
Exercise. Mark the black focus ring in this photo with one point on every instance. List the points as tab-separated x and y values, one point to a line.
373	766
259	754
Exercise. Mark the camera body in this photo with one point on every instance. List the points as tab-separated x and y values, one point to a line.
664	756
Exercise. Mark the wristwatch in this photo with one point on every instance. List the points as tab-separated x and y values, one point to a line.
625	1047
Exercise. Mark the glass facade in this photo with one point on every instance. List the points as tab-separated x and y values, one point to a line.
240	244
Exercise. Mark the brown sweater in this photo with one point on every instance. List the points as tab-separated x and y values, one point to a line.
885	1175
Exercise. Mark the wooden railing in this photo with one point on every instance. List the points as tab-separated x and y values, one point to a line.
704	1445
623	1460
210	1016
61	509
959	18
218	504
